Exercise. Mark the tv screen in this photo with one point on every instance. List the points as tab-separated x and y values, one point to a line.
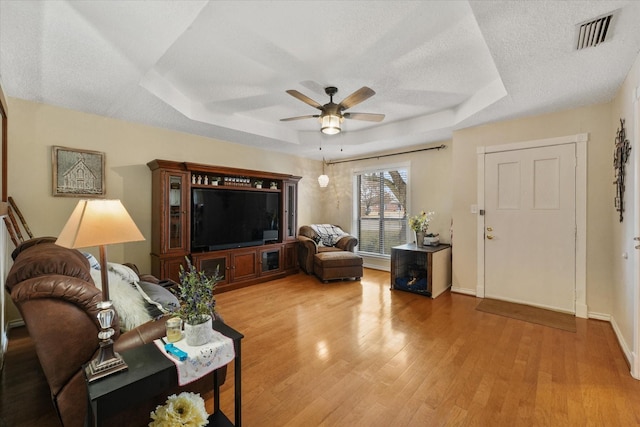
223	218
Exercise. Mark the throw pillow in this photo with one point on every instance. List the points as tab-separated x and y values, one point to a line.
93	262
163	297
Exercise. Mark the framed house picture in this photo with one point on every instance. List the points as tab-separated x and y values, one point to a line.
78	173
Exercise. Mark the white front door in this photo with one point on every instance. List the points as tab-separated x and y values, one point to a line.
530	226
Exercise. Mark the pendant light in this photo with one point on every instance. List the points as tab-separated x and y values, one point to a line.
323	179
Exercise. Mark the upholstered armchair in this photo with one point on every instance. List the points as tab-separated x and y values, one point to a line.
318	238
53	288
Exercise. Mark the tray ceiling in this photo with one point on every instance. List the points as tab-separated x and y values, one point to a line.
221	68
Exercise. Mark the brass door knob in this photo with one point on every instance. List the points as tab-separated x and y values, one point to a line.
489	236
489	229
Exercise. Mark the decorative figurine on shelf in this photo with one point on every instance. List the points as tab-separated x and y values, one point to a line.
193	179
206	180
199	179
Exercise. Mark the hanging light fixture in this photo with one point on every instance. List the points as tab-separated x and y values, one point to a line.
323	179
330	124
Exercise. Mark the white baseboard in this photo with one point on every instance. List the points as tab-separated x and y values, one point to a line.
628	354
582	311
465	291
376	267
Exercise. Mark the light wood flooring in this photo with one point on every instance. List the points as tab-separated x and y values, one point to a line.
358	354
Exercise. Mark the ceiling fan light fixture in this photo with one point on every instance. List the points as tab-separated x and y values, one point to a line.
330	124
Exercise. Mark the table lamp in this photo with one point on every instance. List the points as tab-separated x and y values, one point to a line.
100	223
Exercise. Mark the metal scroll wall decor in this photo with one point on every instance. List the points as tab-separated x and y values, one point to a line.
620	158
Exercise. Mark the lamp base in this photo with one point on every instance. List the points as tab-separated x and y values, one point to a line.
107	362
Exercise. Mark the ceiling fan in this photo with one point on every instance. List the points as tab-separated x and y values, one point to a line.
333	114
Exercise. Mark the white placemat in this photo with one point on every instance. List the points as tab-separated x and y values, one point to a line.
202	359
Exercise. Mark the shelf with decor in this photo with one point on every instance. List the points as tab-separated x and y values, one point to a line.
194	215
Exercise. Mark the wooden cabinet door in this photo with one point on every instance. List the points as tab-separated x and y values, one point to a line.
171	268
270	261
175	211
290	256
290	217
244	264
210	262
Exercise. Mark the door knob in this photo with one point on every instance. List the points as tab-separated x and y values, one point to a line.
489	229
489	236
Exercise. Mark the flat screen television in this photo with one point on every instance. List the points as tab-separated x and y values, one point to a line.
224	219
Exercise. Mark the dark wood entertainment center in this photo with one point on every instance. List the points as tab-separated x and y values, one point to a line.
171	224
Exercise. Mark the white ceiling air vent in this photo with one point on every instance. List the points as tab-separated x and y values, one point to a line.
593	32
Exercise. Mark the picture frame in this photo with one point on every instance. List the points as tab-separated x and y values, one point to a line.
78	173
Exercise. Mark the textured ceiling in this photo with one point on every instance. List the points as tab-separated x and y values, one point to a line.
221	68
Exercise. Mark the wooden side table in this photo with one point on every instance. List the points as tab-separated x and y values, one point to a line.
429	265
150	372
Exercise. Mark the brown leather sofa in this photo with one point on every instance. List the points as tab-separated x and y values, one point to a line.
308	247
53	290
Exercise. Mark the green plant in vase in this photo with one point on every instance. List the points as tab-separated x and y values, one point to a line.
196	294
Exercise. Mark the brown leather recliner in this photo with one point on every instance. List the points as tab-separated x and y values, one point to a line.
53	290
309	246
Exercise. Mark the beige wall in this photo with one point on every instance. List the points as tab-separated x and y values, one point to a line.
595	120
430	184
35	128
622	286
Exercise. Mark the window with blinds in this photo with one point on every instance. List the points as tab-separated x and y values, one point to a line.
381	209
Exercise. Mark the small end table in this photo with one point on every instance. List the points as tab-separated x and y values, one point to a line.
149	372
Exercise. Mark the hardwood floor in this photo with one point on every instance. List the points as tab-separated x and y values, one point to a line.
358	354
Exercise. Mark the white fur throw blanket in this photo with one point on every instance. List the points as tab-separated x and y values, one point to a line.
129	300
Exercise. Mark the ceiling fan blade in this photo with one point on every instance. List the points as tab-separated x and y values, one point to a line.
370	117
304	98
357	97
288	119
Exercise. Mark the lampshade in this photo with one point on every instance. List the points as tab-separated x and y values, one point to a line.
323	180
330	124
97	223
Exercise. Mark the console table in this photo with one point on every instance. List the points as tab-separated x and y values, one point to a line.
150	372
422	270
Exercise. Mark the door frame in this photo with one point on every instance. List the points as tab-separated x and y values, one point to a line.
635	355
580	141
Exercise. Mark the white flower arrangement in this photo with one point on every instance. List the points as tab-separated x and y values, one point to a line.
421	222
184	410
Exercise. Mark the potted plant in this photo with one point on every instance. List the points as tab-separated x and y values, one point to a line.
420	224
258	184
197	303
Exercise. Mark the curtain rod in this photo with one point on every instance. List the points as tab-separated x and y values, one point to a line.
439	147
